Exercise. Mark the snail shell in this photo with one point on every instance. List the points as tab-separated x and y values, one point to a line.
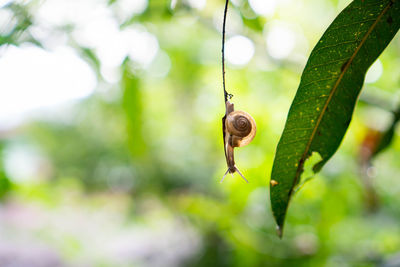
241	126
239	129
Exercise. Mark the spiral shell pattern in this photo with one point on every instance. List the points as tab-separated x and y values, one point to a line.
242	126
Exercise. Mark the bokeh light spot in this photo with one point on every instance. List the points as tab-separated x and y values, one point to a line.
143	46
280	40
239	50
34	78
263	7
197	4
127	8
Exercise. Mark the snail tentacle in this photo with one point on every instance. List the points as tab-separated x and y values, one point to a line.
241	174
224	175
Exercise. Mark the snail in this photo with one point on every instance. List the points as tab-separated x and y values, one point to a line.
239	129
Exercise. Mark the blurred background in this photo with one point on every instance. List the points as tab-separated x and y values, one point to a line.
111	147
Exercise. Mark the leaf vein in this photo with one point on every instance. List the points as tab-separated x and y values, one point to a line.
299	129
295	141
350	24
320	80
308	99
328	63
330	46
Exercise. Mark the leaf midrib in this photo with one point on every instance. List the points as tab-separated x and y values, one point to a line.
303	157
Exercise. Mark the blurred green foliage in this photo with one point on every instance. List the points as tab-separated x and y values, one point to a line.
143	156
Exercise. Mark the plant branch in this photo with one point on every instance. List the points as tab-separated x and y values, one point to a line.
226	94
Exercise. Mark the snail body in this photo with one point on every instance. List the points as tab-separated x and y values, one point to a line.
239	129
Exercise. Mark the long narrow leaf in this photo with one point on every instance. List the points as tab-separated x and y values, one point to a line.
330	84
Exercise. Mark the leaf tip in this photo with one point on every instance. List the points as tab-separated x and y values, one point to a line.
279	230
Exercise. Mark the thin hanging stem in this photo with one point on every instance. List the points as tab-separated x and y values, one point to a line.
226	94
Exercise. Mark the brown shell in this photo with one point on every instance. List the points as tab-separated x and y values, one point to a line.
241	126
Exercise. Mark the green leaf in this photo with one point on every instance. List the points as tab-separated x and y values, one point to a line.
330	84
